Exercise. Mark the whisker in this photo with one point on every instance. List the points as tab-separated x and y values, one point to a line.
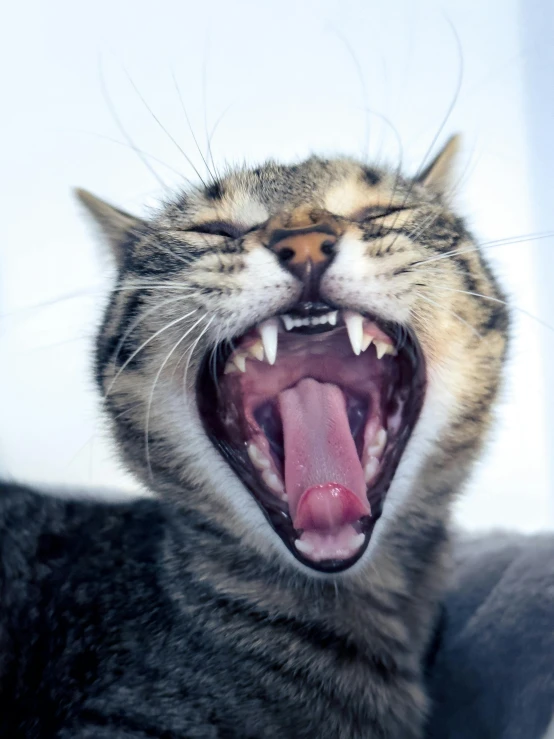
178	89
486	245
212	134
136	149
453	102
164	129
363	89
527	313
445	120
192	348
115	117
140	319
462	320
151	397
143	345
517	239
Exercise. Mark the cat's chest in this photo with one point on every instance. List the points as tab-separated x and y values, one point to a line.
173	677
204	671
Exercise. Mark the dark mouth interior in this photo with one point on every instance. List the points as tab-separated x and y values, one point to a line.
317	435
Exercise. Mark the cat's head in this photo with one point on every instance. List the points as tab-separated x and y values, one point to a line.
303	352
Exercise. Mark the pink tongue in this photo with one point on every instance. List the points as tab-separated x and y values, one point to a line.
324	479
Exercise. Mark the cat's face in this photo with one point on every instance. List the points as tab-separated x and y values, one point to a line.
302	351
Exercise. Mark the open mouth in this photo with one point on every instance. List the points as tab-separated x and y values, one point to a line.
313	410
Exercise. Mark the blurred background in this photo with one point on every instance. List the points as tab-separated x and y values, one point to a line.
86	85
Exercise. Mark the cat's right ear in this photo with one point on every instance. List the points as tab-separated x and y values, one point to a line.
439	175
114	224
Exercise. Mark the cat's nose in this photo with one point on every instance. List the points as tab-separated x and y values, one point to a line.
306	252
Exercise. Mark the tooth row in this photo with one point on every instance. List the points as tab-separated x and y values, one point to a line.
360	339
371	469
372	455
263	464
258	458
291	322
274	483
306	547
237	362
375	449
266	346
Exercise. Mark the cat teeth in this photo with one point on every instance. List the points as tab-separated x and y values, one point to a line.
361	339
366	341
258	458
304	546
383	348
269	331
290	322
265	348
273	483
257	350
371	469
375	449
240	361
355	327
236	363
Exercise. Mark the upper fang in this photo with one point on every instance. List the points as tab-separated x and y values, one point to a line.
269	333
355	327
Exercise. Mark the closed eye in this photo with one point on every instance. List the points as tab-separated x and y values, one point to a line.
219	228
378	211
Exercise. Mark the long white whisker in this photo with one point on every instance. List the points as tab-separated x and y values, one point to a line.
144	344
497	300
119	124
161	125
428	300
192	348
150	399
141	318
486	245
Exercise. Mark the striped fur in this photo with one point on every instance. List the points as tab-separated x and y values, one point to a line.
278	650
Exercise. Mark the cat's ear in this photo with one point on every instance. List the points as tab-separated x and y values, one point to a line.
114	224
439	175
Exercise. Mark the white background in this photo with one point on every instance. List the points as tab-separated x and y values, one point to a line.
288	78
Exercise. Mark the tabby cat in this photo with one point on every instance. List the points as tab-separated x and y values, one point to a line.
297	362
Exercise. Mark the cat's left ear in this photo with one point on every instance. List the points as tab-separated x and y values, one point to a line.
115	225
439	175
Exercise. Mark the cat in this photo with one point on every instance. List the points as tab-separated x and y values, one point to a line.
297	362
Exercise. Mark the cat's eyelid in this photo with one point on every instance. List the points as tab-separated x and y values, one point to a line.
379	211
221	228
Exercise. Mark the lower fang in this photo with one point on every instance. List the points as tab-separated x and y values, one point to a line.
273	482
303	546
357	540
371	469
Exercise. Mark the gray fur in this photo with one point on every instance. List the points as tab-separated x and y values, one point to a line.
493	674
185	615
